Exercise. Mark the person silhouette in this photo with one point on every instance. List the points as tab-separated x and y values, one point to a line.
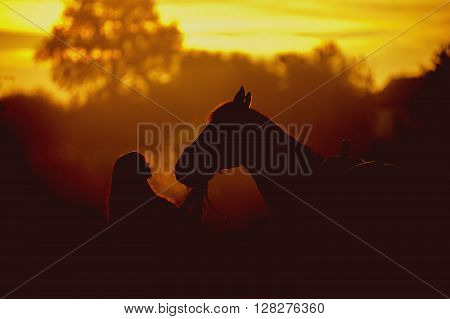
148	235
140	252
146	220
130	190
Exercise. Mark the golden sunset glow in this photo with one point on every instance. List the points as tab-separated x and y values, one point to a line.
259	27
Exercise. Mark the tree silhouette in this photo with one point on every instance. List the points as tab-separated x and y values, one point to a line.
126	38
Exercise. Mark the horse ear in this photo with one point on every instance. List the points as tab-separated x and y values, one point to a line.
248	100
239	98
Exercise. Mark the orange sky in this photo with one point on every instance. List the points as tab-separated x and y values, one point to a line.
258	27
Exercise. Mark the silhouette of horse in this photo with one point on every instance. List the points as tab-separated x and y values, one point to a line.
289	174
237	135
309	199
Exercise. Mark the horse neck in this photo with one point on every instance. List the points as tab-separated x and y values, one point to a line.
273	183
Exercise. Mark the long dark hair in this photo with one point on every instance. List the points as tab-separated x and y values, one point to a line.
129	186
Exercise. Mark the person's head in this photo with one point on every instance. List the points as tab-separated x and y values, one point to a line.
129	185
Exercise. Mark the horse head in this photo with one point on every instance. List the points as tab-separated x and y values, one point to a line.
219	146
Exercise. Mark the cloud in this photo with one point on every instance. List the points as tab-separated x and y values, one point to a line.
389	6
344	33
319	34
345	10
